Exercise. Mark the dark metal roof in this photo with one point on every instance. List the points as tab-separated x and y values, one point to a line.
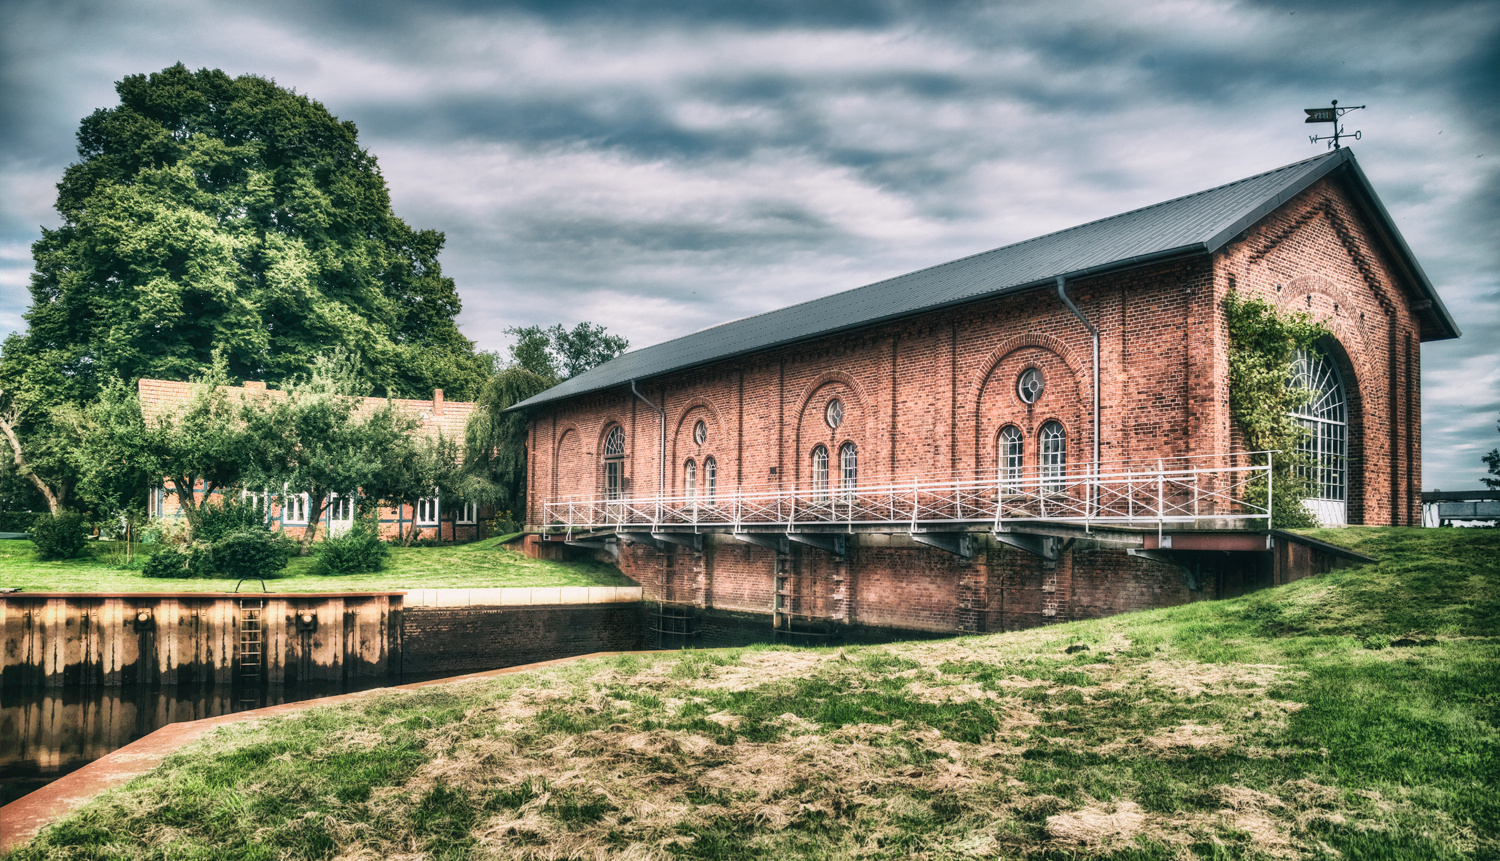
1196	224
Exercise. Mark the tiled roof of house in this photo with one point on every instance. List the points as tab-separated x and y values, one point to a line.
161	397
1196	224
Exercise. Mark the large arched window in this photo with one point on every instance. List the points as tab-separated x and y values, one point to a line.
848	470
710	479
614	463
1324	449
1010	450
820	473
690	479
1054	461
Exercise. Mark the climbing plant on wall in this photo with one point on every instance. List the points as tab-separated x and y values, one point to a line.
1262	344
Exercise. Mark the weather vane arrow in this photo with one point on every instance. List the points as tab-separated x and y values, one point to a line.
1330	115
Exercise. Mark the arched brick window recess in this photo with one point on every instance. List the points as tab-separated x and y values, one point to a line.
820	473
1010	450
614	463
1054	457
710	479
690	479
1325	449
848	470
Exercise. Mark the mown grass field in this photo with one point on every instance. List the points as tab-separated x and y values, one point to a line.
481	565
1348	716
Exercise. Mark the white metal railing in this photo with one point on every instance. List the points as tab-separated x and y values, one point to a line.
1141	493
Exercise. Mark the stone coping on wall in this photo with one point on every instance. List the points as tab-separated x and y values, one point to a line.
522	597
198	595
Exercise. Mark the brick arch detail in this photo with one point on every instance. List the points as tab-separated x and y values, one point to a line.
676	460
1345	234
1349	336
1051	343
695	403
844	432
604	431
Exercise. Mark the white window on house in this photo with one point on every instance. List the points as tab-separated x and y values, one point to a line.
469	513
710	479
1054	457
1011	449
833	414
820	473
700	432
848	470
294	508
158	503
340	513
256	500
427	511
690	479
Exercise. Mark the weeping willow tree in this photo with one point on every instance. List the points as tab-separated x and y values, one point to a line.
495	440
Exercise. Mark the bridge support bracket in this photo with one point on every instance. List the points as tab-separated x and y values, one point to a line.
960	544
607	544
691	540
1049	547
778	543
838	545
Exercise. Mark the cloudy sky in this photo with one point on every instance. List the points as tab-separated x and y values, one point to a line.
661	168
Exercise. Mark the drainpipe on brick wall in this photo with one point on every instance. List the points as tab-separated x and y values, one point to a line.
1062	293
661	459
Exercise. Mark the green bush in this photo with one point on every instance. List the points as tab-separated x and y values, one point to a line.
180	561
249	553
227	517
355	552
59	537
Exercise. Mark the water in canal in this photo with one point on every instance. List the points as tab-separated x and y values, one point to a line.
46	733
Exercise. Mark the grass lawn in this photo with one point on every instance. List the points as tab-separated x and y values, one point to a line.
1352	716
483	564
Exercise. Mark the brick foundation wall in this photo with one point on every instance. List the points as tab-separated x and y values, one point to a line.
452	640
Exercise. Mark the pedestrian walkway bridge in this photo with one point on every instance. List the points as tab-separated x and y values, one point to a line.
1213	491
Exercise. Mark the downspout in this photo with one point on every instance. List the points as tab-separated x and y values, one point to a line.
1062	293
661	460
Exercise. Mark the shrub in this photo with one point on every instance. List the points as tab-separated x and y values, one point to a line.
229	516
180	560
165	530
59	537
357	551
249	553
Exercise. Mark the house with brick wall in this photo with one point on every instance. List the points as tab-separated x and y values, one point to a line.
1031	434
434	517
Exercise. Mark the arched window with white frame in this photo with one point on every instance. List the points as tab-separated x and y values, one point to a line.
614	463
690	479
820	473
710	479
1054	453
848	470
1324	449
1010	451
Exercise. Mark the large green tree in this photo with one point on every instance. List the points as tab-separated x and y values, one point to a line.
209	213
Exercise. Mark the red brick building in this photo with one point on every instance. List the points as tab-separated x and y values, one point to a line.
1035	433
449	520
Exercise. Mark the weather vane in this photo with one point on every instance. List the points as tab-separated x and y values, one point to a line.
1330	115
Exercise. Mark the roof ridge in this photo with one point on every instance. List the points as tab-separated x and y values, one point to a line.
967	257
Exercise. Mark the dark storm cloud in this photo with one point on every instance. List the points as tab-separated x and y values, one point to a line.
662	167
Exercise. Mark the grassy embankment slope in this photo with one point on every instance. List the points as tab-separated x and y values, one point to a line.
481	565
1351	715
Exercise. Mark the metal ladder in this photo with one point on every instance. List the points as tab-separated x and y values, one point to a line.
251	648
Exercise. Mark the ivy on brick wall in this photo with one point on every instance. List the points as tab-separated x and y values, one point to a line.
1262	344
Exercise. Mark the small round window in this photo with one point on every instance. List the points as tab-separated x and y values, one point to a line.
1030	385
700	433
834	413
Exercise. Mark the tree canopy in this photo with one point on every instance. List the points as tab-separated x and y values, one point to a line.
559	353
215	213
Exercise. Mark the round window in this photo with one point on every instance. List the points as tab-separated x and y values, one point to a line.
834	413
1030	385
700	433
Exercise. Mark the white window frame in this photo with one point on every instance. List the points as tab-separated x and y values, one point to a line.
710	479
848	470
690	479
1053	450
1011	450
429	511
294	508
820	473
468	515
159	502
